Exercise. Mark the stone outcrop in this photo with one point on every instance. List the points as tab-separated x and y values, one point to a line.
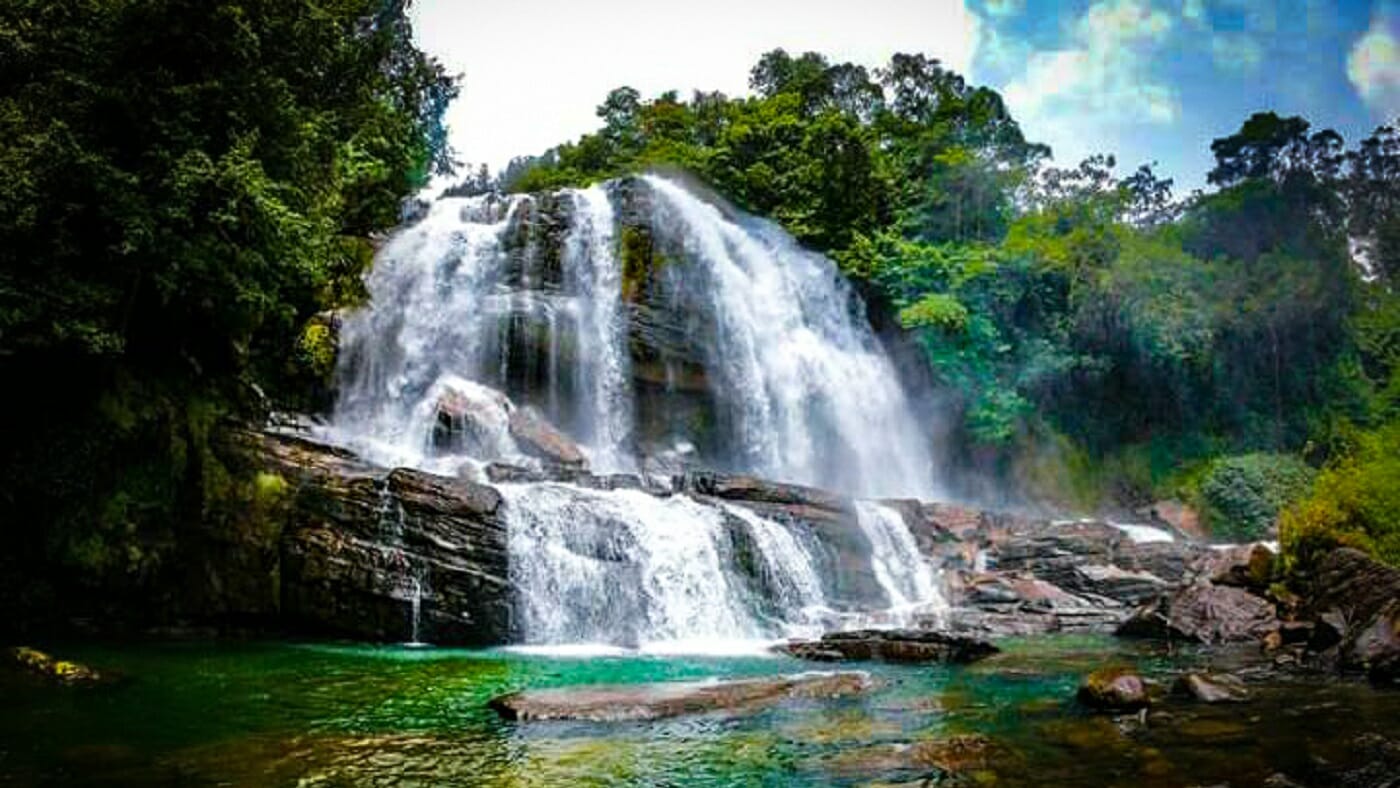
891	645
354	549
473	419
657	701
536	437
1114	689
1204	613
1017	604
1357	600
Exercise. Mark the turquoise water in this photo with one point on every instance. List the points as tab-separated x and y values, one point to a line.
287	714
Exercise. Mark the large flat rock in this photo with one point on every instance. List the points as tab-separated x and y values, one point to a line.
891	645
620	703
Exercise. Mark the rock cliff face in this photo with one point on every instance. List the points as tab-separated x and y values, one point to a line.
376	555
360	551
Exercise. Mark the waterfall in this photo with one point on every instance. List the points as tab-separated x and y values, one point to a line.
647	323
527	295
592	267
626	568
900	569
814	397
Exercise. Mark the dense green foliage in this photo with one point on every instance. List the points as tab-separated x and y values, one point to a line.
186	183
1355	501
1099	340
1242	496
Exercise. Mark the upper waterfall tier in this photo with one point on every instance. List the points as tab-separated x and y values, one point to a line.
653	325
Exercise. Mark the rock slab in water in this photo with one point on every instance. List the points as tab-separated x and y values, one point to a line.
1210	688
59	671
893	645
621	703
1204	613
1114	689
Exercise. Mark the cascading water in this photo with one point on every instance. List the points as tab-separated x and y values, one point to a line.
902	572
628	568
814	399
639	317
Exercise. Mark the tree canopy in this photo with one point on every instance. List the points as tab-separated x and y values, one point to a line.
187	183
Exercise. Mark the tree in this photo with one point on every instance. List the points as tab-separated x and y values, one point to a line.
188	182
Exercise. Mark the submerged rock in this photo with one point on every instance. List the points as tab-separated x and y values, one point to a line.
1114	689
1204	613
38	663
892	645
1210	688
619	703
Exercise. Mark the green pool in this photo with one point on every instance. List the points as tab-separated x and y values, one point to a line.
275	714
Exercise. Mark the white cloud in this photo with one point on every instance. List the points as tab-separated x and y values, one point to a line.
1239	52
1374	65
1101	79
535	72
1003	9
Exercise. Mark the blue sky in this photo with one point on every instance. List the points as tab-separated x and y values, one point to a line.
1158	80
1148	80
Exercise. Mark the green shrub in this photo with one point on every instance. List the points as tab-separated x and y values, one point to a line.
1242	496
1354	503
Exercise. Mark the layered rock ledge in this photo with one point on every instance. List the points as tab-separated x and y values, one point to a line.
621	703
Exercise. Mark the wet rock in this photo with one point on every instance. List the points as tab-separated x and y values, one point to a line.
1375	648
536	437
1179	517
1209	688
751	489
1356	601
471	418
891	645
354	545
58	671
1204	613
1000	604
1245	566
658	701
504	473
1114	689
1128	586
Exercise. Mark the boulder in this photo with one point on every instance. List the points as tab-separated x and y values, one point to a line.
470	418
1375	646
891	645
1204	613
1356	602
58	671
1210	688
1248	566
1114	689
536	437
658	701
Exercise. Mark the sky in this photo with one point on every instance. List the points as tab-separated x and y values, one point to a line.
1146	80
